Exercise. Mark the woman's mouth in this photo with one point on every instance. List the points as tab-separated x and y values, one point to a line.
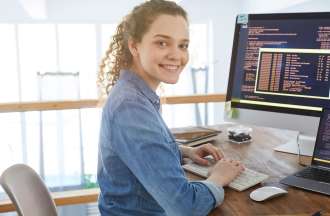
170	67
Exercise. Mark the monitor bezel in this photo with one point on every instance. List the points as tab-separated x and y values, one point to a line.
309	15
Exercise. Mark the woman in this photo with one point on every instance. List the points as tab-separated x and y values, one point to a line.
139	170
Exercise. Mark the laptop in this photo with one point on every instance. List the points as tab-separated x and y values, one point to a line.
316	177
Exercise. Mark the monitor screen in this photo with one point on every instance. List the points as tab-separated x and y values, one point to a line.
281	63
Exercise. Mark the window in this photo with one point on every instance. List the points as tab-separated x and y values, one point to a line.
9	89
62	145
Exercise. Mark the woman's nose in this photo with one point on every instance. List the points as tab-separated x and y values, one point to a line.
175	53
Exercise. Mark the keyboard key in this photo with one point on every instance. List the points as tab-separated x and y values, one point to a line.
315	174
247	179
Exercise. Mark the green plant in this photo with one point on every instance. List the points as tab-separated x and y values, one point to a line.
90	181
231	113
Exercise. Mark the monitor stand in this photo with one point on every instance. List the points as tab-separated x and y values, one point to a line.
306	145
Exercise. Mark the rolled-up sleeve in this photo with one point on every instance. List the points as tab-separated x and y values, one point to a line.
138	138
217	191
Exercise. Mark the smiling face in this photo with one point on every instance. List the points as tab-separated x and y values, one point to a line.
163	51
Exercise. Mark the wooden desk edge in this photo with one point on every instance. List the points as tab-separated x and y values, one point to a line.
61	198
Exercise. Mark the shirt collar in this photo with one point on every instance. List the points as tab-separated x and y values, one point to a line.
141	86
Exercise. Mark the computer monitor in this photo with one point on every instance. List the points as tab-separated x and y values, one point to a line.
279	74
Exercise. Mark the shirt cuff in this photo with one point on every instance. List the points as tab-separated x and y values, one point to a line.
217	191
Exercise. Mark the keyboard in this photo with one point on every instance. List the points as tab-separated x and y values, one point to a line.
245	180
315	174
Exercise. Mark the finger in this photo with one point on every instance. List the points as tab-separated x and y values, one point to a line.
235	163
239	163
205	150
240	166
216	152
201	161
221	155
213	151
224	160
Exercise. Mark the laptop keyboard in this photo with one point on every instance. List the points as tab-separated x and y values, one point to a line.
315	174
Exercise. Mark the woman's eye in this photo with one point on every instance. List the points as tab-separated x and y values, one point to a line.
184	46
162	43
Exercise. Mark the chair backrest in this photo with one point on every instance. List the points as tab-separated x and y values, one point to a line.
27	191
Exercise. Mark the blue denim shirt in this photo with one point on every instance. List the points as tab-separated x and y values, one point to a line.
139	162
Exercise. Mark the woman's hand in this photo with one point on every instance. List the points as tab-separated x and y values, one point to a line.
225	171
198	153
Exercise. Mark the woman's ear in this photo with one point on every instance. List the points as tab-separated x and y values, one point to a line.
132	46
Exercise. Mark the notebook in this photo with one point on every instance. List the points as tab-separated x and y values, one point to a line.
316	177
194	135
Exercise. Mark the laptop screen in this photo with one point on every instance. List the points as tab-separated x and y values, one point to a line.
321	154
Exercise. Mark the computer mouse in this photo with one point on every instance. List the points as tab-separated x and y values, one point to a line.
266	192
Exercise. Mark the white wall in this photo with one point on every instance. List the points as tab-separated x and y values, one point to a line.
279	6
311	6
269	6
65	10
12	11
110	11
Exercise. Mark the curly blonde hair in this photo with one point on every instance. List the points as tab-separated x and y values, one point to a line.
133	26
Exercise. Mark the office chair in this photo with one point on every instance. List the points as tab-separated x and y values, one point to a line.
27	191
